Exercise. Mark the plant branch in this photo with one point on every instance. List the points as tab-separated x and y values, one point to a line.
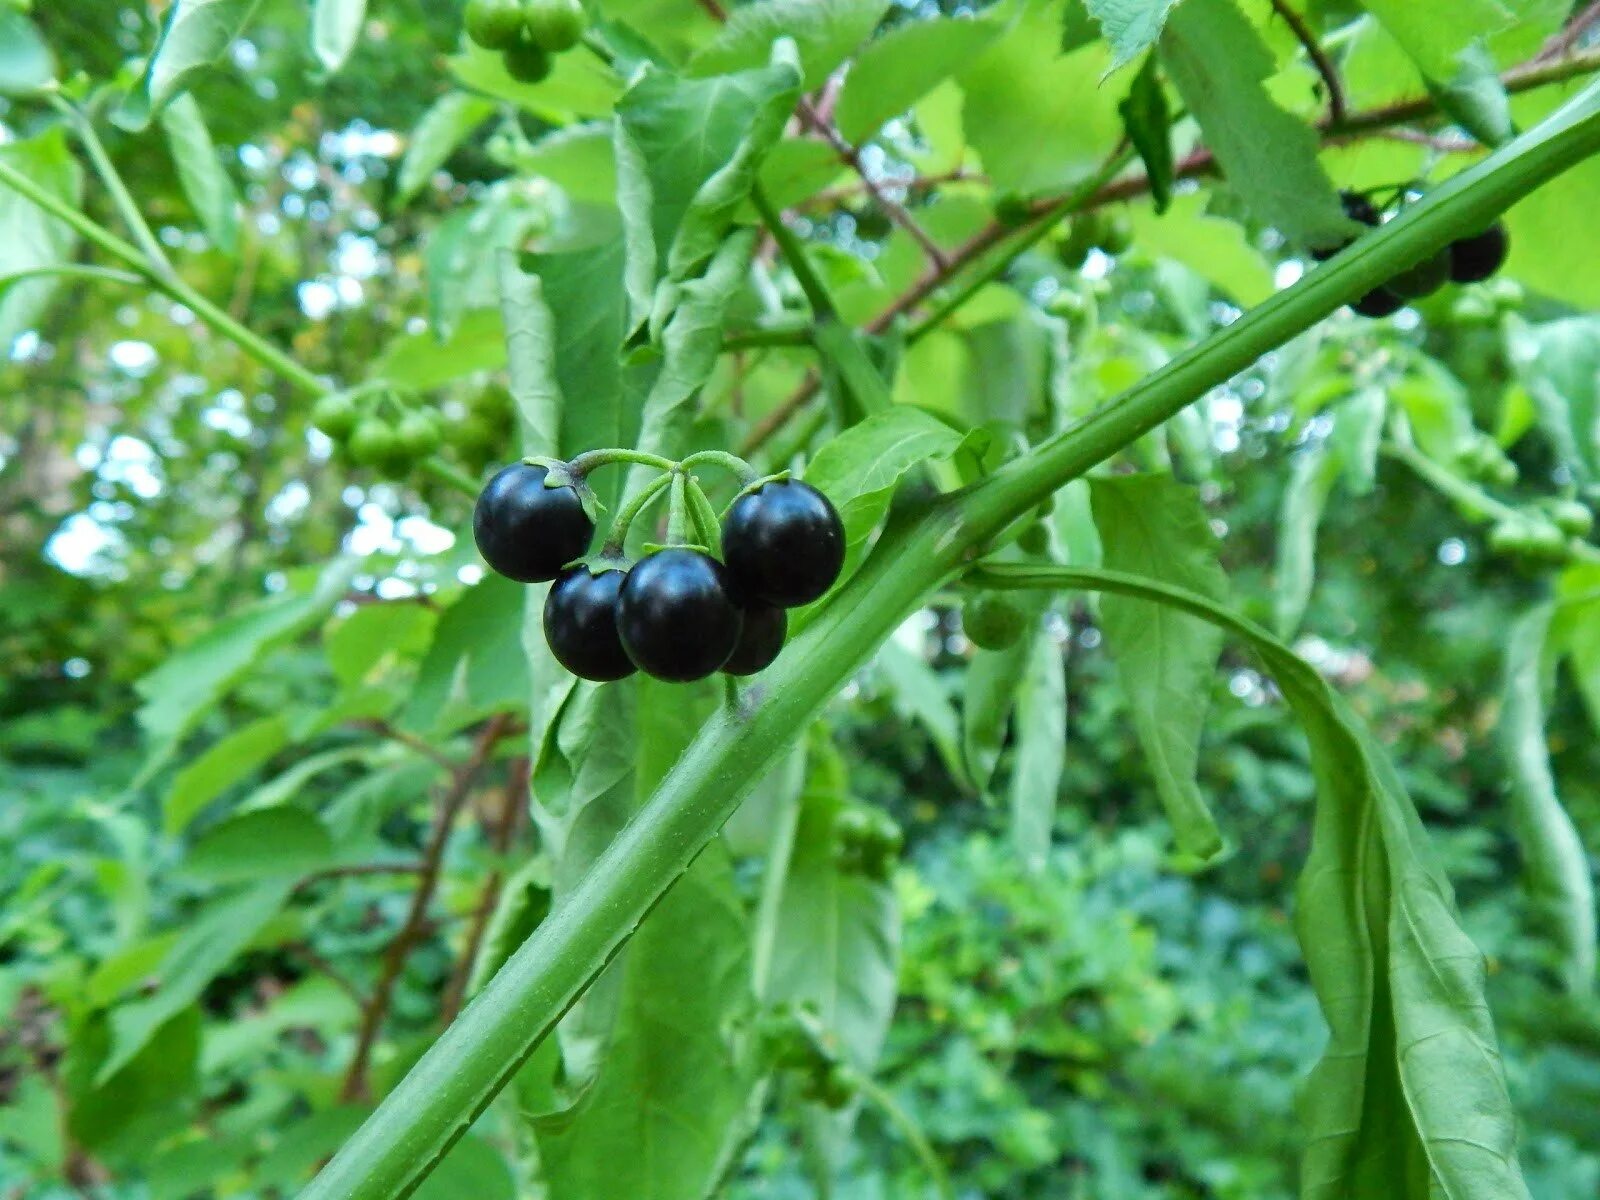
1318	56
416	918
417	1123
1567	40
1522	78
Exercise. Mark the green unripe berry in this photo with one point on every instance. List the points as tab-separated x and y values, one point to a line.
336	414
555	25
1116	237
1035	540
494	24
374	443
418	433
992	622
1572	517
526	62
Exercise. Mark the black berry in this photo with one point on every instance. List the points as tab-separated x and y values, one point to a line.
580	623
676	617
784	543
1379	302
760	640
1424	279
1358	208
527	531
1474	259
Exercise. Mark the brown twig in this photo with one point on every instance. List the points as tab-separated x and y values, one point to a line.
1319	58
411	741
413	928
1520	78
1567	40
502	834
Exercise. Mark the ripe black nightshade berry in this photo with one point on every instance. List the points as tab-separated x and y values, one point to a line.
580	623
784	543
527	531
1379	302
1474	259
1358	208
760	640
676	617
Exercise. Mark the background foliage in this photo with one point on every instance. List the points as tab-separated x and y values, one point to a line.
267	734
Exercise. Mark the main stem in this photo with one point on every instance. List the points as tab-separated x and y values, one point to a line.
433	1106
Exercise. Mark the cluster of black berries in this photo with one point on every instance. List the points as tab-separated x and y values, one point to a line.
678	614
526	33
1465	260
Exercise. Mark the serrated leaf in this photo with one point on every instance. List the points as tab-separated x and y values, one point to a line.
1131	26
26	63
29	238
826	31
1218	63
896	70
447	123
335	29
1151	525
208	188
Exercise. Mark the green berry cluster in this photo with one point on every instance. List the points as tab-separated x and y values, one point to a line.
1541	532
527	34
791	1043
1485	462
1109	232
866	842
377	429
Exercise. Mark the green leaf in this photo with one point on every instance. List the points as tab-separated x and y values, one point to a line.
896	70
523	902
26	63
1559	364
335	29
196	35
1409	1100
917	694
474	1167
375	635
1131	26
475	665
1218	250
211	939
29	238
1039	119
118	1114
1475	98
1148	120
858	469
1041	753
424	361
687	154
1435	33
230	760
1151	525
179	692
1311	479
837	939
269	843
1218	63
448	122
826	31
651	1125
208	188
579	85
1555	865
579	159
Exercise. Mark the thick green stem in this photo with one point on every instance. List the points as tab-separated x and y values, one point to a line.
457	1078
593	460
741	470
794	253
617	539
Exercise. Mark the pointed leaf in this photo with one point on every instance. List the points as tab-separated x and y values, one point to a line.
209	188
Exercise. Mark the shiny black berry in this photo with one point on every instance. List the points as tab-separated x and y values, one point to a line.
760	640
784	543
1358	208
1474	259
1379	302
527	531
677	619
580	623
